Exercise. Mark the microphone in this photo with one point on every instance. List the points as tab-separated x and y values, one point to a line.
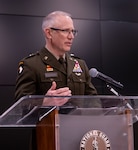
94	73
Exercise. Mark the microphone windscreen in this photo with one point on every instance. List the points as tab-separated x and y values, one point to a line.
93	72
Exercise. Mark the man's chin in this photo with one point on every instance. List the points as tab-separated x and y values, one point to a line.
67	49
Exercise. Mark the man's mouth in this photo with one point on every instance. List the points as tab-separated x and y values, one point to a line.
68	43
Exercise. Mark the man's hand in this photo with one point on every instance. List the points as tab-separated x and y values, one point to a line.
56	92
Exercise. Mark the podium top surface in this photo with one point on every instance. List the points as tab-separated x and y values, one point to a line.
28	110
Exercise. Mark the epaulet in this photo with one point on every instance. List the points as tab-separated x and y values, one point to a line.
31	55
21	63
73	56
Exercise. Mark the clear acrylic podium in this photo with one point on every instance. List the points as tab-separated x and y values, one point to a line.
83	123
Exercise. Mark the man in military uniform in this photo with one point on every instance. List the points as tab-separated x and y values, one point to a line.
43	74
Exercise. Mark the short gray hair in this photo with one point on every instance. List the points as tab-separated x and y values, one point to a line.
49	20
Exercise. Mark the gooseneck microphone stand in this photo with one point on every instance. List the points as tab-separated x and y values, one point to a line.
126	103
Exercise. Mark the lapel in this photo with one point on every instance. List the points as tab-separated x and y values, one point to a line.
49	59
70	64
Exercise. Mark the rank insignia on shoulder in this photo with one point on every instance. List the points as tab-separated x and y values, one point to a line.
77	68
31	55
72	55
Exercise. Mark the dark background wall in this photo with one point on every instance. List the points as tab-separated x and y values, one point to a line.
107	39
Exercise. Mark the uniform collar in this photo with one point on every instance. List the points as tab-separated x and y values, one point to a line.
48	58
57	57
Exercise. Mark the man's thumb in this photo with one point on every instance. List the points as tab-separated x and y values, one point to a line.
53	86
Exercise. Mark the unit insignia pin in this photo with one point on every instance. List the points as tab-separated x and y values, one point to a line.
49	68
77	69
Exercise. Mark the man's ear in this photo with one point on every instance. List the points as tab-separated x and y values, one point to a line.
47	33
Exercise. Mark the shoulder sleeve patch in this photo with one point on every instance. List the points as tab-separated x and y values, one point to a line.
20	67
20	63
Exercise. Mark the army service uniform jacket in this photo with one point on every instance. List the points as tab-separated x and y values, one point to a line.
37	71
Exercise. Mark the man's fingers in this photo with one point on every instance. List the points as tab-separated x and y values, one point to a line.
62	90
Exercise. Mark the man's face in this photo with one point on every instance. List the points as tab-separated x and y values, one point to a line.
62	34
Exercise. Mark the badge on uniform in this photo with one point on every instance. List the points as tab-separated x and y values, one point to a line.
49	68
49	72
77	69
20	69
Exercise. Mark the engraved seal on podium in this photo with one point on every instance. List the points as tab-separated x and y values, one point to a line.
95	140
